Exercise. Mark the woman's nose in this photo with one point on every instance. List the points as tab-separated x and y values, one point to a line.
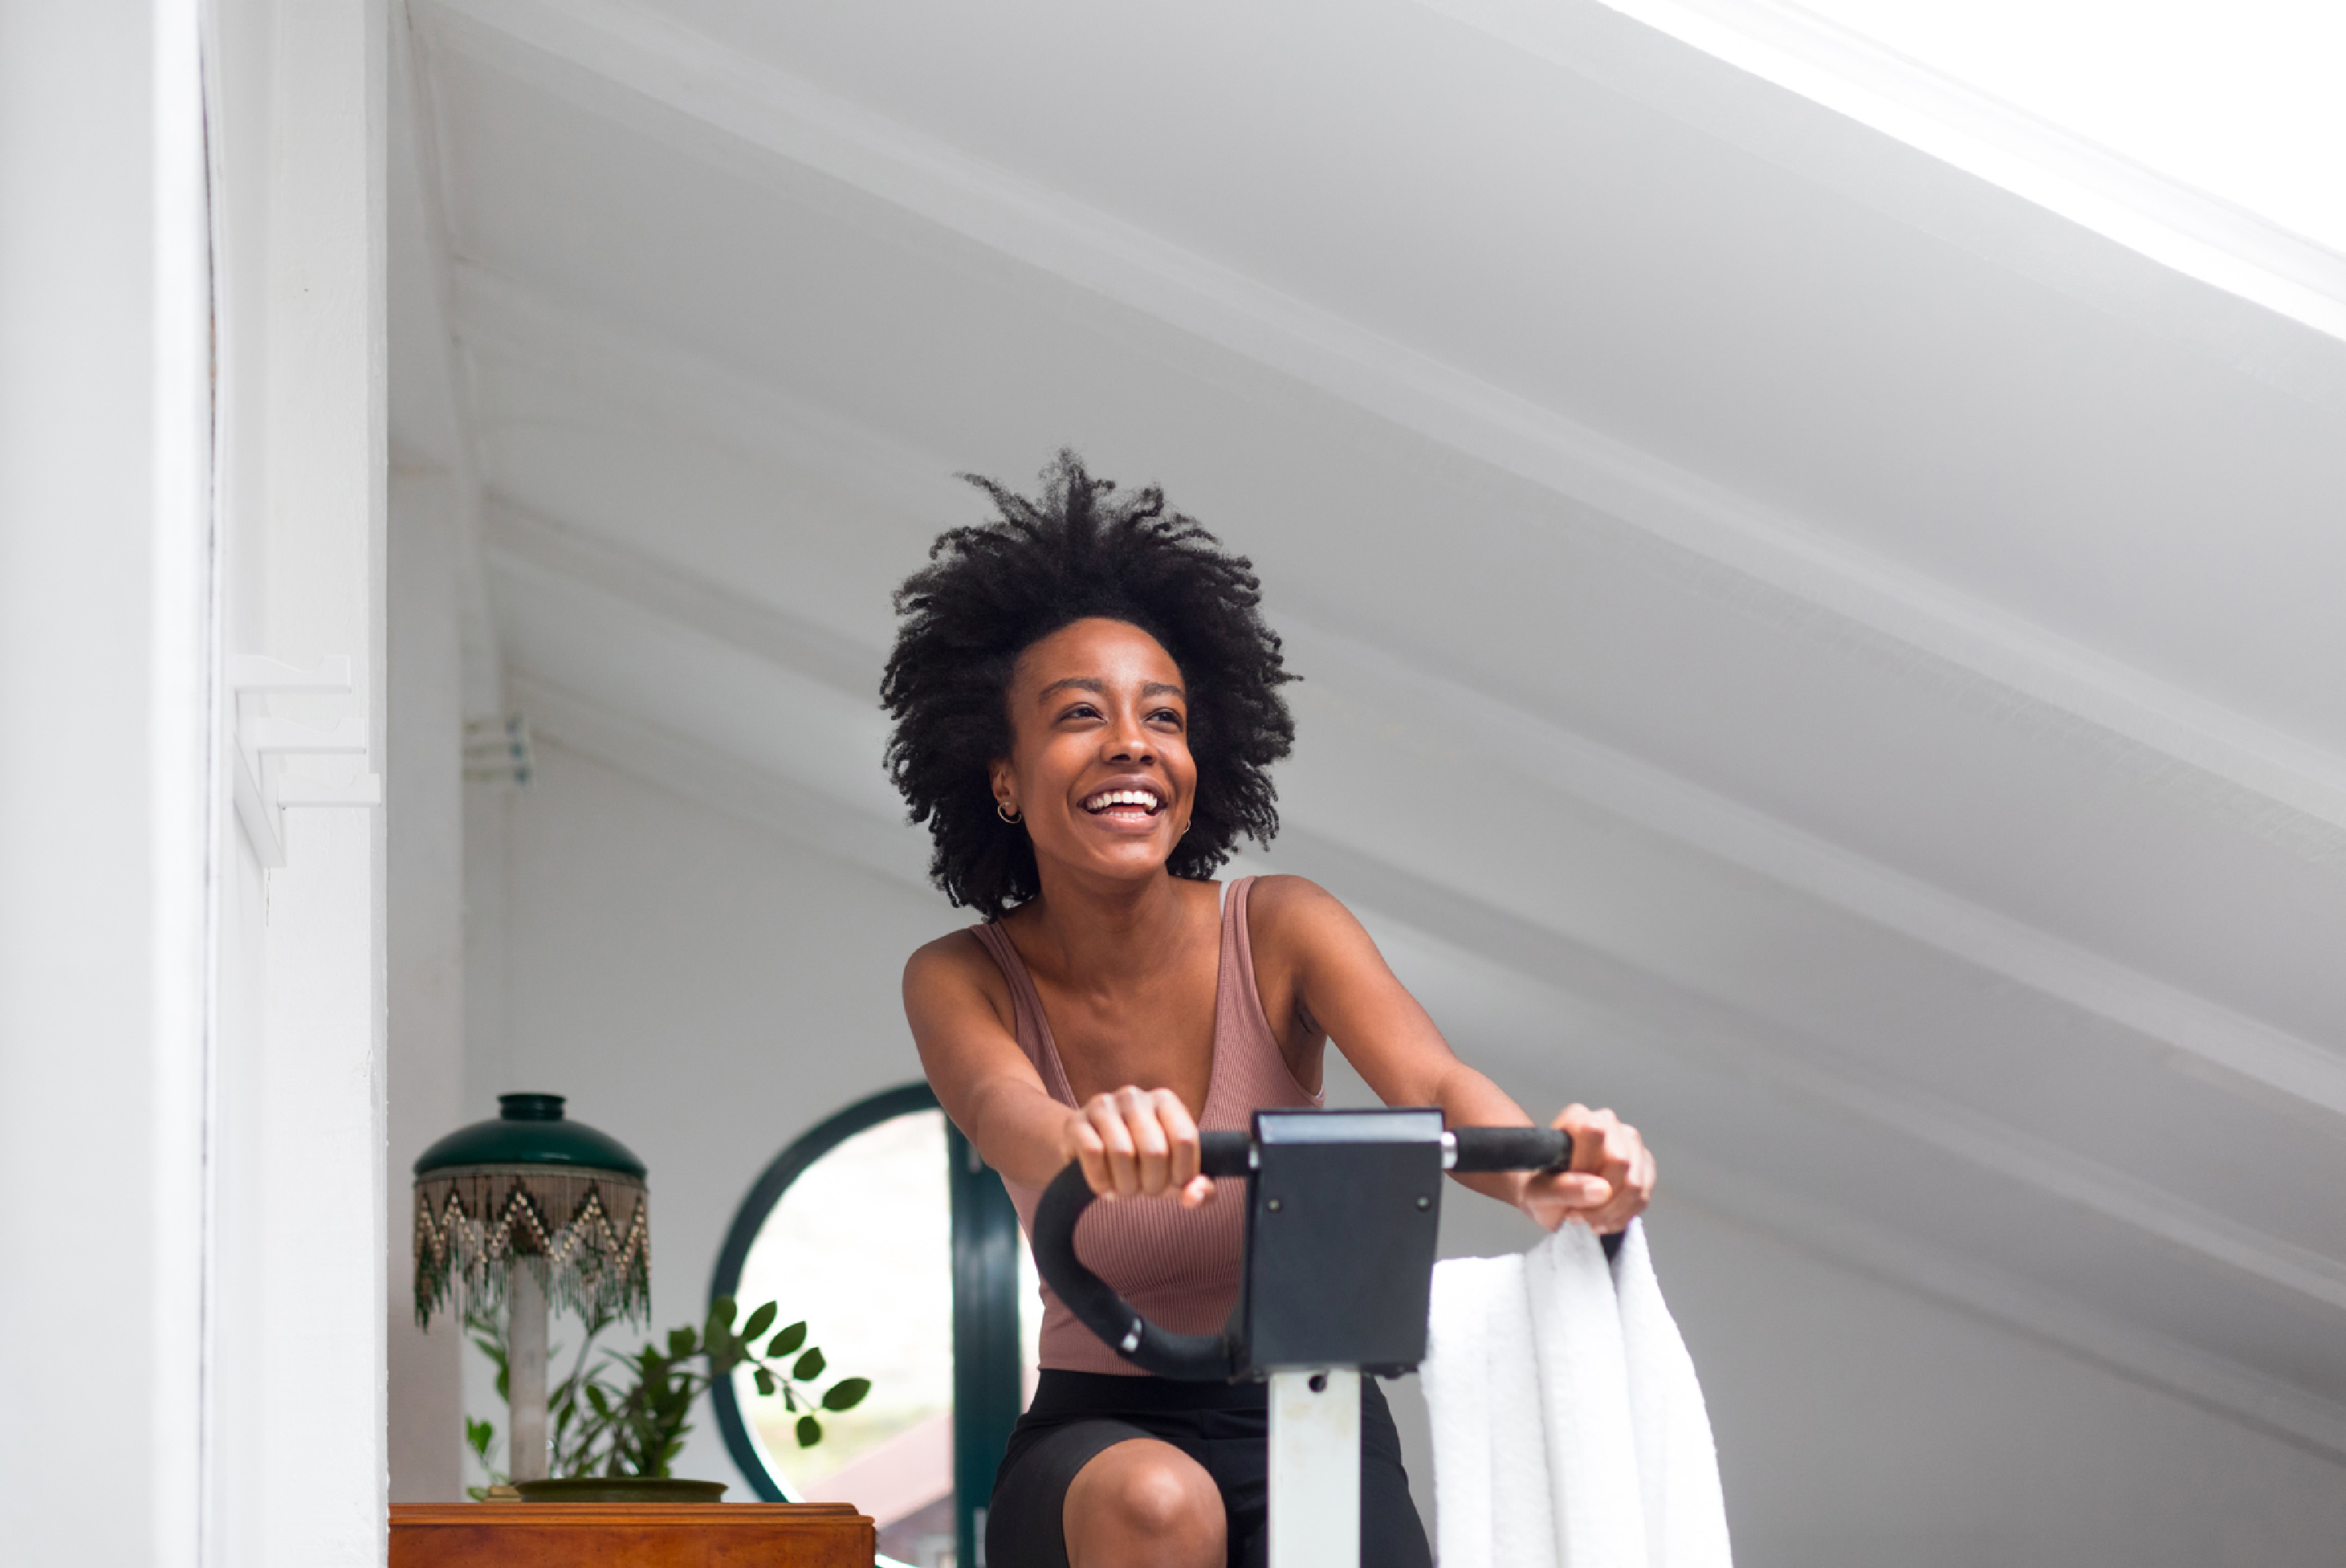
1128	742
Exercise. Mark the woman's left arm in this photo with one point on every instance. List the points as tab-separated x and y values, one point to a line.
1340	988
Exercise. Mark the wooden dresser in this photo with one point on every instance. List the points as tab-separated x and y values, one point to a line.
630	1535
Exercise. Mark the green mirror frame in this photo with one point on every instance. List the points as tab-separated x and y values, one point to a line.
988	1384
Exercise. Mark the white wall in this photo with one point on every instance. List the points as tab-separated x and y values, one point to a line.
102	769
190	1112
702	989
296	1463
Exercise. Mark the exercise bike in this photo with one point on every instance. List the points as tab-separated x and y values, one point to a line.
1343	1214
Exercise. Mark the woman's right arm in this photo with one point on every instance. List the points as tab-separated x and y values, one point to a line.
1132	1142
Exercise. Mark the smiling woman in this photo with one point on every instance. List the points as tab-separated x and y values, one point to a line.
1086	705
990	593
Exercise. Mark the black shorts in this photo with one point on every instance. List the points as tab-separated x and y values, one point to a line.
1224	1426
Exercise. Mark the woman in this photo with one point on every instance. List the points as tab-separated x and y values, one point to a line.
1087	708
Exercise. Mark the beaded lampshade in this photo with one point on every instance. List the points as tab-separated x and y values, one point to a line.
536	1191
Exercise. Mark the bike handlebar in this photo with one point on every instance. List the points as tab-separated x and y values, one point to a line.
1511	1149
1215	1358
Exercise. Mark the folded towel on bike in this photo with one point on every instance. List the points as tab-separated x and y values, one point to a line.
1568	1426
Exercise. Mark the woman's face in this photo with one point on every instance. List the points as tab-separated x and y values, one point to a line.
1099	764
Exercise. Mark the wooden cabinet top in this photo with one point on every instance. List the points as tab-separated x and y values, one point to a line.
638	1535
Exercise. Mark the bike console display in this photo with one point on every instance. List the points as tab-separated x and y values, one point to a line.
1342	1216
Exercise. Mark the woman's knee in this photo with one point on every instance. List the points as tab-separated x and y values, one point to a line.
1144	1501
1165	1494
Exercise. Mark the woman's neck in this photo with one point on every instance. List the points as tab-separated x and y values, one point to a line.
1102	936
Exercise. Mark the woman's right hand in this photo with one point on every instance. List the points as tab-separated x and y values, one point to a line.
1136	1142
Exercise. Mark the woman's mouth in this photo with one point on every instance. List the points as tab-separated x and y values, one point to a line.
1124	805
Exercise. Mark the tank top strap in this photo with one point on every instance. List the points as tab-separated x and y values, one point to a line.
1030	1023
1251	1071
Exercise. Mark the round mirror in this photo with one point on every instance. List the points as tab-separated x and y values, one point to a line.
852	1230
859	1246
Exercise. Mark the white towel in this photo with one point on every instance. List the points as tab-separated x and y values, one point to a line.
1568	1428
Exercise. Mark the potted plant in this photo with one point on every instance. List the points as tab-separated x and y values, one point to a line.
618	1421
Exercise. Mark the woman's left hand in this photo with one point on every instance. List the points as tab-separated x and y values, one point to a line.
1608	1183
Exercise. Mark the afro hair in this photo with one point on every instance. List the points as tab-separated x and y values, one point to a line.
1077	550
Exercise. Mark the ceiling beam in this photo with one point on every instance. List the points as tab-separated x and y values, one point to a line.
663	386
811	818
640	68
755	627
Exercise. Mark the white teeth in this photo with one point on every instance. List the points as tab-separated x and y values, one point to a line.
1112	798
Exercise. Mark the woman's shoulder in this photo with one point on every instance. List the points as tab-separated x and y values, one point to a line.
1289	915
955	961
1282	894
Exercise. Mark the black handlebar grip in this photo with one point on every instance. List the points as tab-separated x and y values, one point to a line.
1512	1149
1185	1358
1225	1154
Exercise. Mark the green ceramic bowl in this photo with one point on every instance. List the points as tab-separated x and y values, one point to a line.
620	1488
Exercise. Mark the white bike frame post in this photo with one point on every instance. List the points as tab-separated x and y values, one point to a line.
1315	1468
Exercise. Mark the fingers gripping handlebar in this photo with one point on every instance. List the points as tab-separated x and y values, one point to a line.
1189	1358
1214	1357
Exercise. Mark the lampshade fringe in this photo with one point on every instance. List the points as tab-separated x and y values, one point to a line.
473	1224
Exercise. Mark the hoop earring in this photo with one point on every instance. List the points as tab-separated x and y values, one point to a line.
1002	809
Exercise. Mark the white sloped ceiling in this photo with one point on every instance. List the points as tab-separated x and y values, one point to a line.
1840	659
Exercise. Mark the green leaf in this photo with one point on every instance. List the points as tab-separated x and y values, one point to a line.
720	1313
681	1342
809	1431
601	1401
765	1382
760	1321
809	1367
788	1340
846	1394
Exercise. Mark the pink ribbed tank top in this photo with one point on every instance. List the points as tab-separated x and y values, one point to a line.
1178	1267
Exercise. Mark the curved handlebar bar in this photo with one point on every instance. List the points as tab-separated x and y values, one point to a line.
1214	1357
